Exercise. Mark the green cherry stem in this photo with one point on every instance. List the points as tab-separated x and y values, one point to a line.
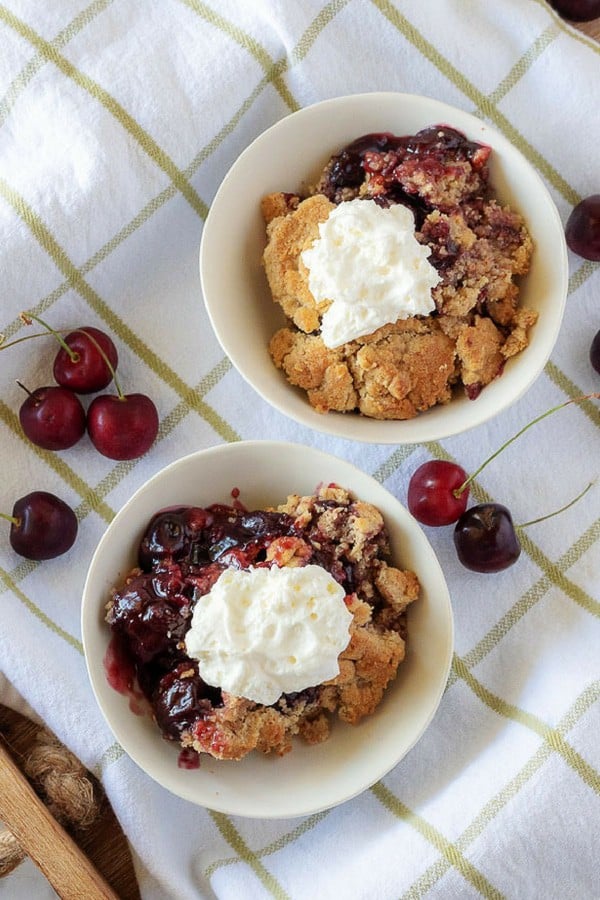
27	318
14	520
556	512
458	491
26	337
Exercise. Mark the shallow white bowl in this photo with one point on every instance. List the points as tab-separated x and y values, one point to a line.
309	778
287	157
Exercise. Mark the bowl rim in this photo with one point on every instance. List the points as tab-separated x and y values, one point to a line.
95	638
433	424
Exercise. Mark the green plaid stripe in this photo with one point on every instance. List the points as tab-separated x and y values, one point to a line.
50	53
452	854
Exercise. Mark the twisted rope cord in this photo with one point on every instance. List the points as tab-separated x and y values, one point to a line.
65	787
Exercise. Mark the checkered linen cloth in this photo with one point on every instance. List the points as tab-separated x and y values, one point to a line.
118	120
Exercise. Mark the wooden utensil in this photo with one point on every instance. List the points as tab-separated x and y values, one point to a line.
45	841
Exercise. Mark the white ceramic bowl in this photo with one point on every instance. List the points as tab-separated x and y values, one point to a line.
308	778
287	157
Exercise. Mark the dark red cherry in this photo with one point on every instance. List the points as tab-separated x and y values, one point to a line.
485	538
42	526
171	534
431	493
595	352
122	427
85	370
52	417
582	230
577	10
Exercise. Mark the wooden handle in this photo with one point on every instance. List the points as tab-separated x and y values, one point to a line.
68	870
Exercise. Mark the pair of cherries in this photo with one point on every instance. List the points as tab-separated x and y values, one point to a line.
120	426
485	536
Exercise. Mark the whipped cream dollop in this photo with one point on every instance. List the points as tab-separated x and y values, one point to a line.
369	264
260	633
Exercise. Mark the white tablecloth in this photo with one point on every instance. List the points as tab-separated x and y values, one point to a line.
118	120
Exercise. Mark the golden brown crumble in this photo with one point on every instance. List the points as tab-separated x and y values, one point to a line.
479	248
367	665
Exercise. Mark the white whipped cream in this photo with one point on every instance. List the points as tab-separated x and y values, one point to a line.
369	264
260	633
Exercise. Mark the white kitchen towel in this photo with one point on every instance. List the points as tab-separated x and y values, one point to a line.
118	121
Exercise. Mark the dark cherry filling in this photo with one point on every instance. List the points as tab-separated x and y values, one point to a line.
389	159
182	553
180	697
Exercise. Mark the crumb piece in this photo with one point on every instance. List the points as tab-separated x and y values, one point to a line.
288	236
403	369
278	204
309	364
518	339
479	351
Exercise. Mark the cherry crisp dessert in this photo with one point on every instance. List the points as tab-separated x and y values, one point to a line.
182	554
478	247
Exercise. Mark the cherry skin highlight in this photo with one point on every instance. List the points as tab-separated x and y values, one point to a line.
89	371
485	538
53	418
122	427
43	526
431	497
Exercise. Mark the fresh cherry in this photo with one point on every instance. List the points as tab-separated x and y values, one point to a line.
582	230
484	535
485	538
122	426
52	417
437	494
42	526
595	352
82	365
577	10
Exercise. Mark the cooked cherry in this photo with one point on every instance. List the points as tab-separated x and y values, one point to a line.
83	367
171	534
181	698
485	538
381	154
122	427
433	496
152	613
52	417
42	526
582	230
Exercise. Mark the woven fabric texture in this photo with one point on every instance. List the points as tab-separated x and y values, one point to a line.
118	121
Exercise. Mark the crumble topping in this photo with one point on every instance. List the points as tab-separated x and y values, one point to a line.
478	247
182	555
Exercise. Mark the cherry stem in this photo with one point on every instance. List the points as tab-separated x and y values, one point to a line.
14	520
458	491
20	340
109	365
557	511
28	316
26	389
